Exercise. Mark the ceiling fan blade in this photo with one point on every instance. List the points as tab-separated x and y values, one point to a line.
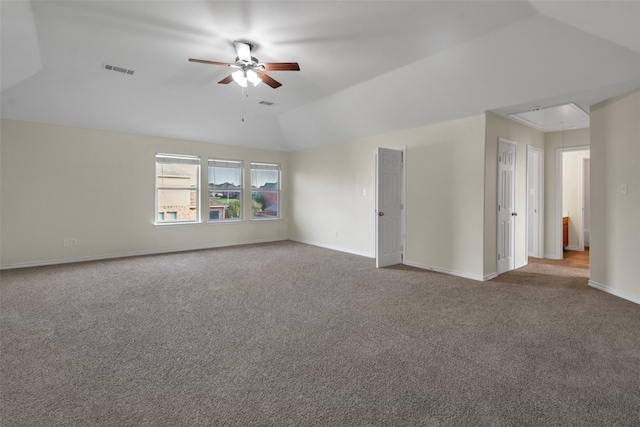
224	64
281	66
268	80
244	51
226	80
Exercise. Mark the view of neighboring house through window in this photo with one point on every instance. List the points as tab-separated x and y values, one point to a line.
177	189
265	190
225	189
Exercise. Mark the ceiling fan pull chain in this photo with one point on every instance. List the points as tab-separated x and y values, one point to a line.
243	96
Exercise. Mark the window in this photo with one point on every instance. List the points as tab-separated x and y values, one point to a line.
177	189
265	190
225	189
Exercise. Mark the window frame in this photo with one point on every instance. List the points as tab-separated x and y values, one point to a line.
211	162
259	165
181	159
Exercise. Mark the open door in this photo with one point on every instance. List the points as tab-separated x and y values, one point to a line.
389	180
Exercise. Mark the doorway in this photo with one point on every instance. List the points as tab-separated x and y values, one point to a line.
389	206
572	215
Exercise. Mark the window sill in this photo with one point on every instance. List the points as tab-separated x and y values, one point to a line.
265	219
227	222
175	224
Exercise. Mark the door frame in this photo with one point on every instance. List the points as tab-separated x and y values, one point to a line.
514	195
583	160
558	217
403	200
539	190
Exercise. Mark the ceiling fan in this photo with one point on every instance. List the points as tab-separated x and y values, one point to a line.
249	69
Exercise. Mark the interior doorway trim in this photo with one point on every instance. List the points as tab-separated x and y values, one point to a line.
585	201
538	186
558	217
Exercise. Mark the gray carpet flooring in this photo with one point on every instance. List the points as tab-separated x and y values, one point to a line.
286	334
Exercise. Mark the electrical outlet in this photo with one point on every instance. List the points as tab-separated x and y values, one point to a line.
73	242
65	242
364	192
623	189
336	234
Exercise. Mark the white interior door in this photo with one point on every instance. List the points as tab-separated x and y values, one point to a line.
506	205
389	164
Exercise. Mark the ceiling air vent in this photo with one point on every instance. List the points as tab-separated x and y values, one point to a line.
118	69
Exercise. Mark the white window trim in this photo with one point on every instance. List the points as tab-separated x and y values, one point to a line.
177	159
227	163
268	166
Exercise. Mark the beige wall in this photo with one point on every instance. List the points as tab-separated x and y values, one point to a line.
553	225
99	188
444	195
615	217
500	127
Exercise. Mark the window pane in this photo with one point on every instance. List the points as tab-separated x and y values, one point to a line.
177	205
264	179
176	175
264	204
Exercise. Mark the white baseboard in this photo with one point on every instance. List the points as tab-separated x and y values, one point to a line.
573	248
615	292
450	272
333	248
130	254
556	257
522	264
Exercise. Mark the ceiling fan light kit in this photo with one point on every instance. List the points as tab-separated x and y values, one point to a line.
243	77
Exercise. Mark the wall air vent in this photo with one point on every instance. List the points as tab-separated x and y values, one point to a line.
118	69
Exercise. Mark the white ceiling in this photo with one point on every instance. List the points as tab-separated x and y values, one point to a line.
367	67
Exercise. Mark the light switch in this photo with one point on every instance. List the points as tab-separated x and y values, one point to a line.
623	189
364	191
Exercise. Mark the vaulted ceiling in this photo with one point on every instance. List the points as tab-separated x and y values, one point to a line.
367	67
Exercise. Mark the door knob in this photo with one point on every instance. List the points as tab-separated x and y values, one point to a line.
380	213
514	214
